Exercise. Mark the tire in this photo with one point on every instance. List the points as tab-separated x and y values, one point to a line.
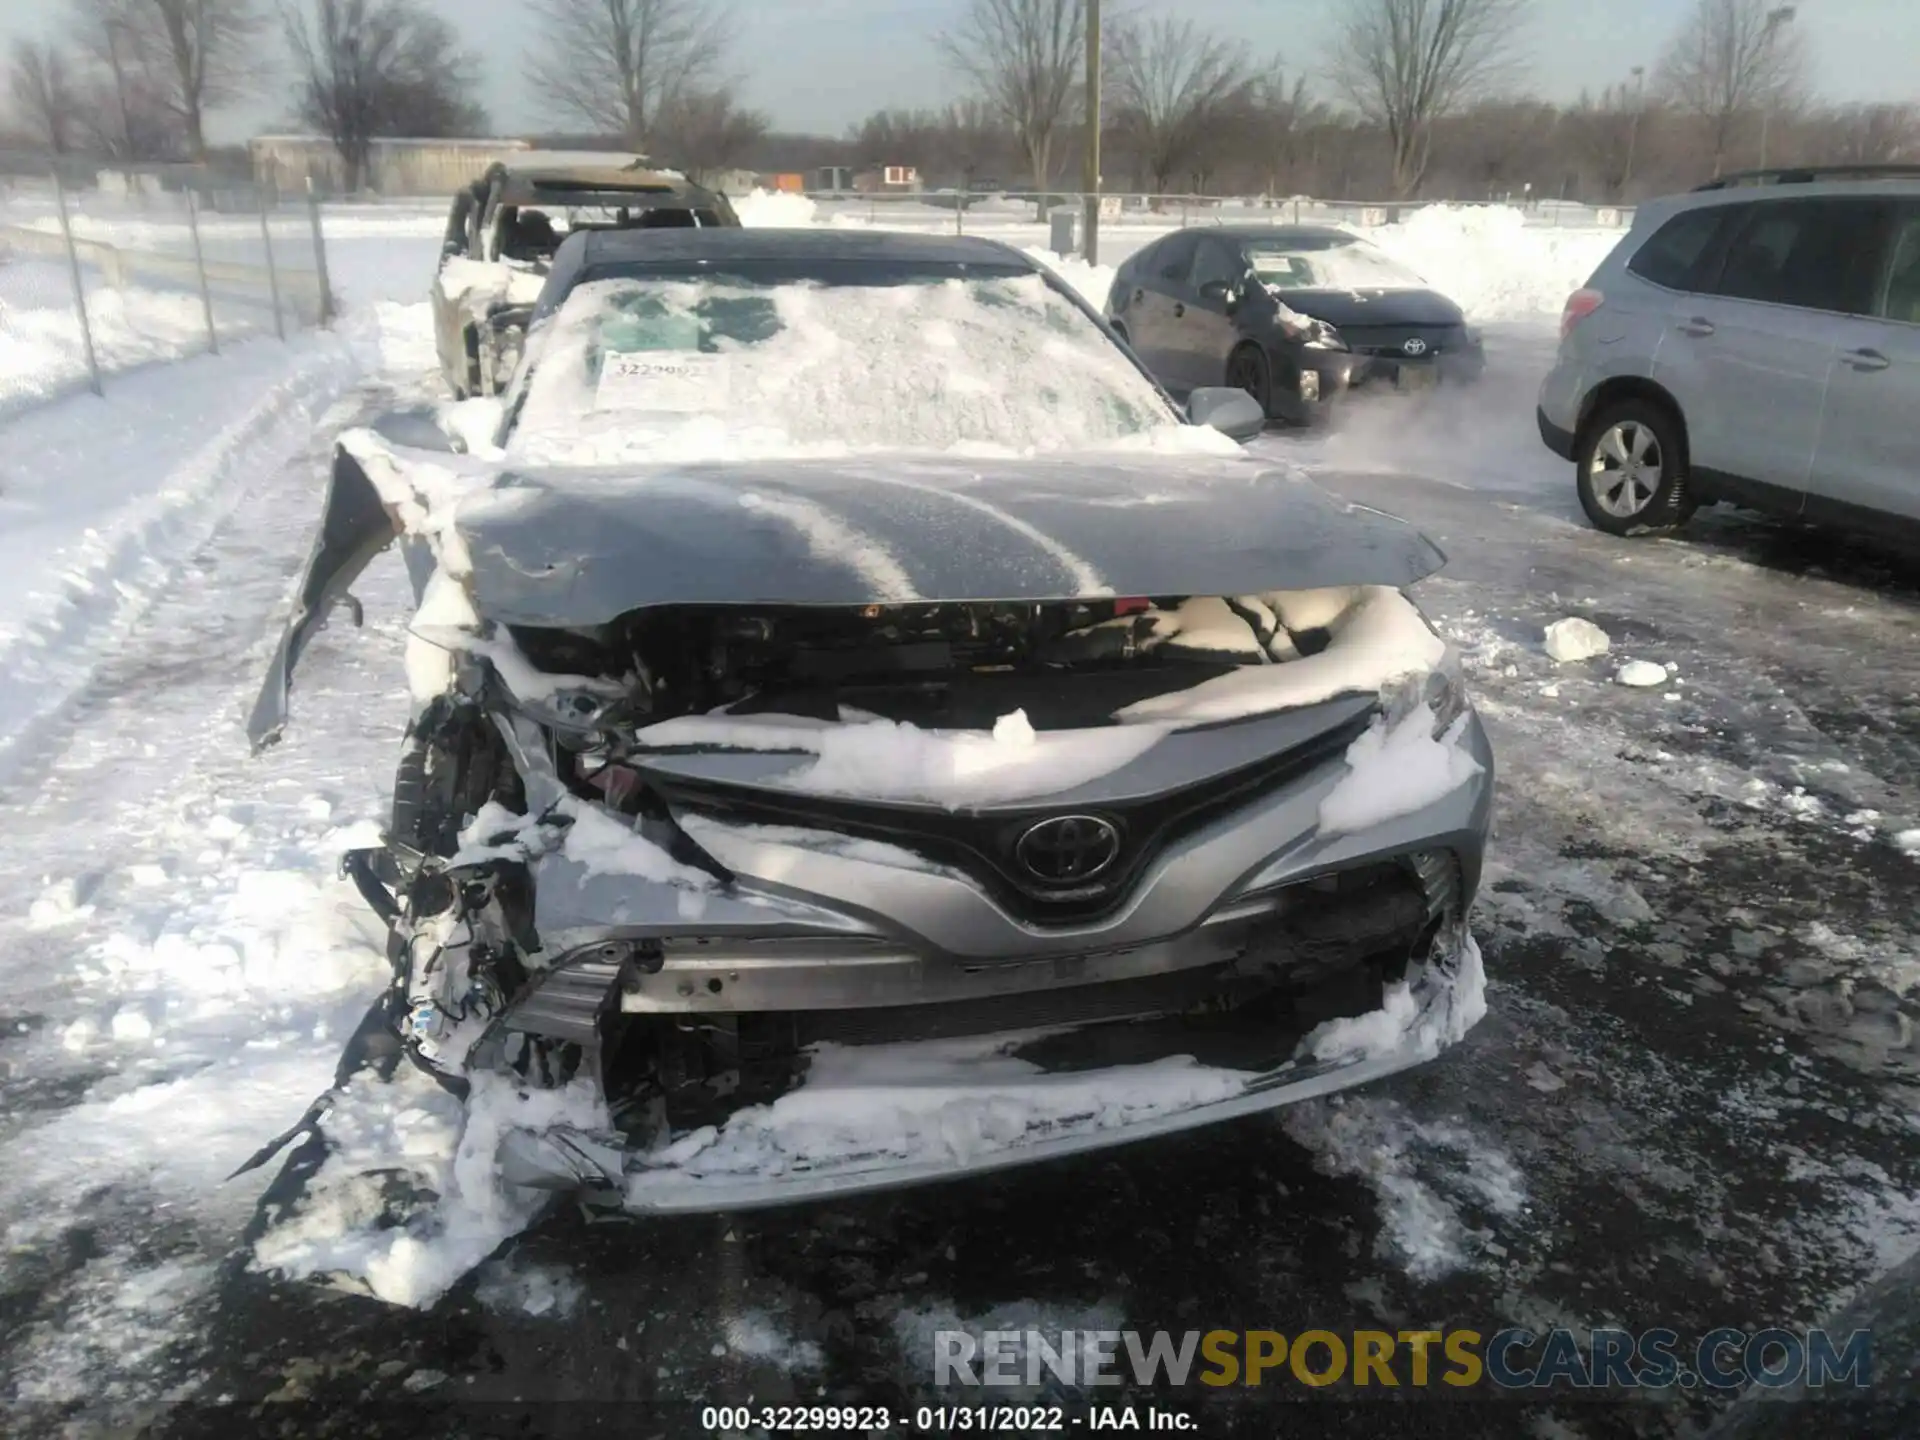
1248	369
1630	469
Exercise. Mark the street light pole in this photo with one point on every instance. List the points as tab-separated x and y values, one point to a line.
1090	182
1776	18
1633	127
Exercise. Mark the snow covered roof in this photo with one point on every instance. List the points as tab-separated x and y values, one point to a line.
613	247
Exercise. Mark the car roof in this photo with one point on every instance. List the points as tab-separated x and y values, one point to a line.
599	164
1742	193
1798	175
536	175
1282	234
1316	237
614	247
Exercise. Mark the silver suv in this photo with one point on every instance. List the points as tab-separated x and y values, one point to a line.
1756	341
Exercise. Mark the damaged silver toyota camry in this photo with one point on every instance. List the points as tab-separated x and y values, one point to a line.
864	733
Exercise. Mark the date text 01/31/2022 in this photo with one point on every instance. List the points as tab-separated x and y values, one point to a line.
940	1419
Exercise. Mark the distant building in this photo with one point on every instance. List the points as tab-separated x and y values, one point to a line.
888	179
395	166
833	177
727	182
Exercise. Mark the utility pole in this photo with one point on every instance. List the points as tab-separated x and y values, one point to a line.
1090	182
1775	19
1633	127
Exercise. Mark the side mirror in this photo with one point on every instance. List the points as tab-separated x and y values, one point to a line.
1221	292
1234	413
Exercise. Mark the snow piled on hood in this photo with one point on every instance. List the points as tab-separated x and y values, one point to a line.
773	209
1092	281
1378	635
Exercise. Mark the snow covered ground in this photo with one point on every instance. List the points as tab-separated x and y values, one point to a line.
1690	1103
41	353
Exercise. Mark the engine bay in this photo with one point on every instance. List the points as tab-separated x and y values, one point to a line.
948	665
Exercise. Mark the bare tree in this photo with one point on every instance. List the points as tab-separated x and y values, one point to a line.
620	64
965	141
368	68
124	116
45	101
1731	59
1278	118
1023	59
706	132
1867	134
1172	83
1405	64
204	54
1605	135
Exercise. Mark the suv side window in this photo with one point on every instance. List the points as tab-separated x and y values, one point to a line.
1811	254
1215	261
1674	256
1901	300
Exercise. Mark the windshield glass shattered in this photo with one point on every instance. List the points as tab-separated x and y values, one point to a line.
1340	265
726	365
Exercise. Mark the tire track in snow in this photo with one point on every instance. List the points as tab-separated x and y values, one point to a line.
190	961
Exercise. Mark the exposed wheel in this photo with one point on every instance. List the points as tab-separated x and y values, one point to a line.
1631	470
1248	370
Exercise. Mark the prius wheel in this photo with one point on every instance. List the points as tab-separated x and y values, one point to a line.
1632	470
1247	370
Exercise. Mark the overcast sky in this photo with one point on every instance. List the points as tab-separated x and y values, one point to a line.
820	65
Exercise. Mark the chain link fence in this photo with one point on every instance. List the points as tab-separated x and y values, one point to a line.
99	280
964	212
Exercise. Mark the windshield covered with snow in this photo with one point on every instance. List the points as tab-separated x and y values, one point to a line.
767	359
1329	265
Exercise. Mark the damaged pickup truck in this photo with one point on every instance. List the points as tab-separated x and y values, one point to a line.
502	233
864	732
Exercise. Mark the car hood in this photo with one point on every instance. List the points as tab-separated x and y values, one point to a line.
1359	309
578	547
561	549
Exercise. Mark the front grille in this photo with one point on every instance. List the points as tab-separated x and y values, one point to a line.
1388	342
981	844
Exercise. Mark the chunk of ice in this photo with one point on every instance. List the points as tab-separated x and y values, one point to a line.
1642	673
1575	639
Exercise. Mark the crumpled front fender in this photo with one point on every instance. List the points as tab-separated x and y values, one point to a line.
355	525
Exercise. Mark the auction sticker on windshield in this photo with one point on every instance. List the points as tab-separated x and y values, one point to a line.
657	380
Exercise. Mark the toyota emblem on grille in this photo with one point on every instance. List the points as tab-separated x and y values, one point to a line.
1067	848
1415	346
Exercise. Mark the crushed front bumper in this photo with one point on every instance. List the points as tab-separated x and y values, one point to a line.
972	1117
